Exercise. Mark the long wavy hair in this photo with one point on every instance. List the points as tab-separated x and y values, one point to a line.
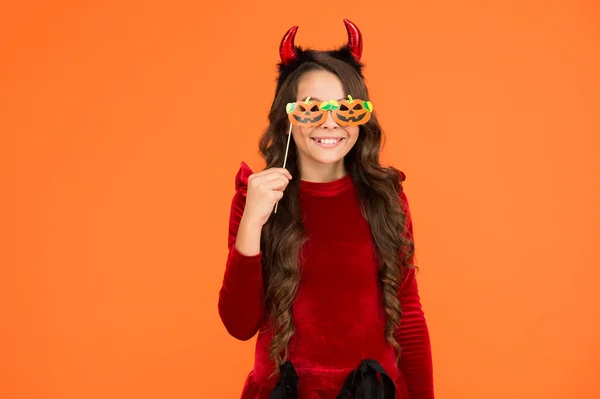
378	189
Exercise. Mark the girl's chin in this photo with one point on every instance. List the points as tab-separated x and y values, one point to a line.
327	159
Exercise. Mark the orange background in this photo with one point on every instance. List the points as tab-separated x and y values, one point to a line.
123	125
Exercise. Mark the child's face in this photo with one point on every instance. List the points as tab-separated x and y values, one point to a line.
323	86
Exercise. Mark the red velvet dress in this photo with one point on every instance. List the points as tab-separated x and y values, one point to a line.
338	315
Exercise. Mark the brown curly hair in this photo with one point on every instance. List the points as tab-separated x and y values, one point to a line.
378	188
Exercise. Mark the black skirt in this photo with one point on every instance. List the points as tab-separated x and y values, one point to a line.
368	381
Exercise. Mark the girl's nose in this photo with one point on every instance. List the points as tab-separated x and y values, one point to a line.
329	123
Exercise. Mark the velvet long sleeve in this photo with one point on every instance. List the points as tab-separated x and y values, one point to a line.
413	334
241	298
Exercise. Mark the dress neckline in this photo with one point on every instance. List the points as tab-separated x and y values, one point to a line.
327	188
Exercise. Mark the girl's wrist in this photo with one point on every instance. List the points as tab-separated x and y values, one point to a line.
250	225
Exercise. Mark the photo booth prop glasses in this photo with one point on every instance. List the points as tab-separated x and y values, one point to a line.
350	112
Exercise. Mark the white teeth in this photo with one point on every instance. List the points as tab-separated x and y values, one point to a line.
328	141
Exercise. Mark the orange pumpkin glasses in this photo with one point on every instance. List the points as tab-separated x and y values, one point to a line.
350	112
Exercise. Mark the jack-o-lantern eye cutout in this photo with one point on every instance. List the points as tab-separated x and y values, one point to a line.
306	113
353	112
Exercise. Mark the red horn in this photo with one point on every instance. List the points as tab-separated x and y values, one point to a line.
354	39
287	49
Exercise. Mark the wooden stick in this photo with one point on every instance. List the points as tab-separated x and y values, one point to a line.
287	147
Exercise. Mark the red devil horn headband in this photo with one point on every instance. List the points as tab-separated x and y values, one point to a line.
288	53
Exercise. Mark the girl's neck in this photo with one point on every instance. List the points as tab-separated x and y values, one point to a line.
322	173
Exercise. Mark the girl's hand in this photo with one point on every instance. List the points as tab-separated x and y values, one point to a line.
265	188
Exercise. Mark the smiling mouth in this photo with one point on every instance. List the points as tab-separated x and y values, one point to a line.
352	118
318	140
306	120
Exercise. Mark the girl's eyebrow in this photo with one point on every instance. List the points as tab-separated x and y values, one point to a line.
318	99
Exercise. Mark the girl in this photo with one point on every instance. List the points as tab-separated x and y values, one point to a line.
327	280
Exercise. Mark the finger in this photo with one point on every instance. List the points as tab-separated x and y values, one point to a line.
269	176
281	171
270	171
277	195
279	183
